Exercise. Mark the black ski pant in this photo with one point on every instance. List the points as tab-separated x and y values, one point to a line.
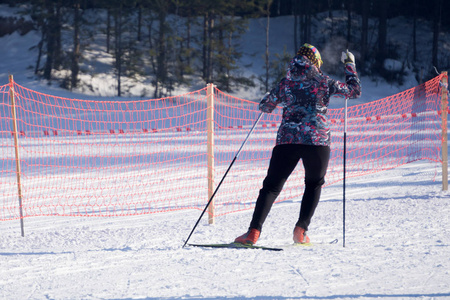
283	161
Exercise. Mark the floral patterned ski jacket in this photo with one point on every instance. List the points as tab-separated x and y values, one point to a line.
305	94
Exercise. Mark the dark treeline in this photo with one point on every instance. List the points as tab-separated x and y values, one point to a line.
176	41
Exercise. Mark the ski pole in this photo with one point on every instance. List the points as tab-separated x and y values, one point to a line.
344	162
220	183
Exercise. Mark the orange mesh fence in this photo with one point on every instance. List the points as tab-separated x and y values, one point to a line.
90	158
115	158
381	135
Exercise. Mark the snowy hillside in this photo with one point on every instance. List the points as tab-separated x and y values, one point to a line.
19	53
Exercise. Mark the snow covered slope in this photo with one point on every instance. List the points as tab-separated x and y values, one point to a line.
397	247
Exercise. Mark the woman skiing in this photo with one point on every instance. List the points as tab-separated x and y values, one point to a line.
304	133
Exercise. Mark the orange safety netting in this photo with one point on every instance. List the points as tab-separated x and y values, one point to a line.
116	158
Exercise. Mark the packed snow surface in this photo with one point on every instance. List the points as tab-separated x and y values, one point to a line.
397	246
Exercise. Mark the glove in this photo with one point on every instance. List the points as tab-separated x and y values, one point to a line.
347	57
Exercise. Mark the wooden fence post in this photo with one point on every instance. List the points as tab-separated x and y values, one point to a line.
210	142
16	147
444	147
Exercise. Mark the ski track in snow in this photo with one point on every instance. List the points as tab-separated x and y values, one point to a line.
397	247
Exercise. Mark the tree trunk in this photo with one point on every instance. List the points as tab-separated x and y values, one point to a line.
220	44
118	46
139	25
436	30
414	33
364	32
330	15
151	44
349	22
303	27
49	62
75	68
295	10
382	32
161	72
58	44
188	41
208	25
306	22
52	36
204	47
228	70
210	47
40	45
108	30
